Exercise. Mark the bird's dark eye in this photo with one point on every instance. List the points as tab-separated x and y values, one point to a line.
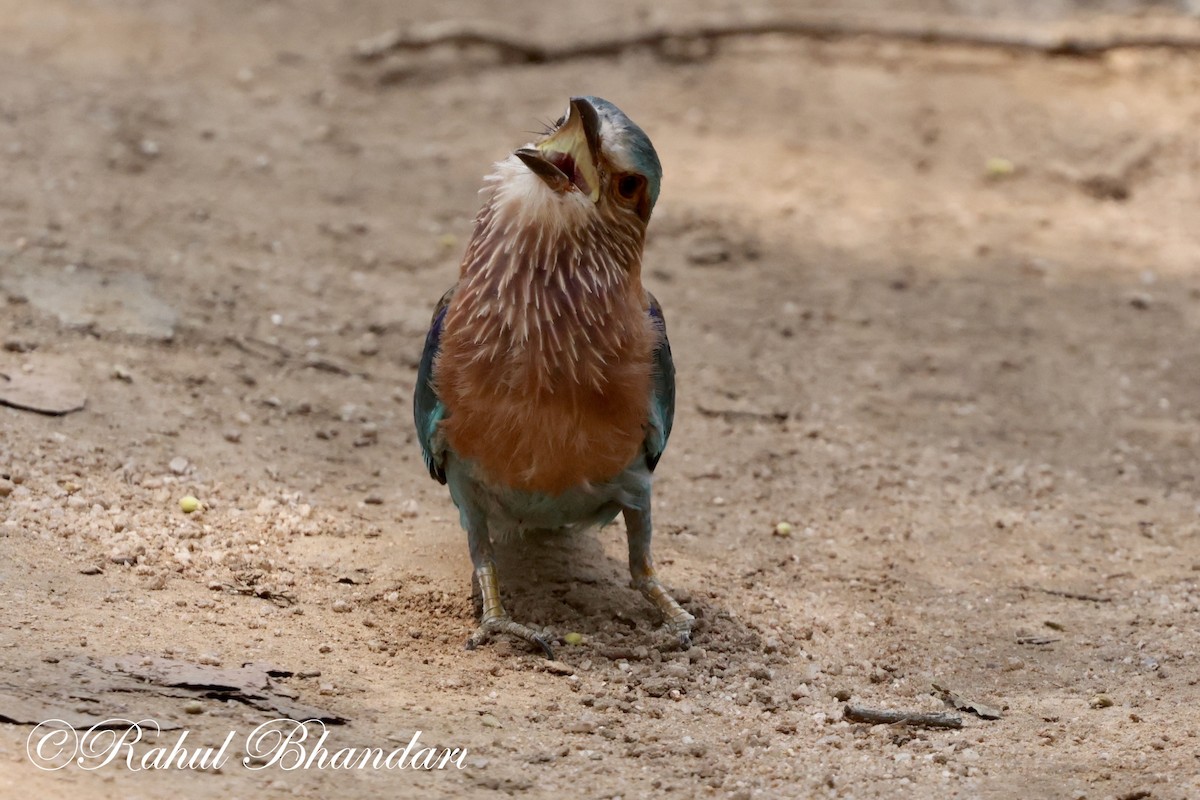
629	186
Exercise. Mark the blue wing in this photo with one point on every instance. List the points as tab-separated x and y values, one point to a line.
428	409
662	402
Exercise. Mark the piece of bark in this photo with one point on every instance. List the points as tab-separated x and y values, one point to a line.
888	717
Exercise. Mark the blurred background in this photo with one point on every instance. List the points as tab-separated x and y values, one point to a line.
930	274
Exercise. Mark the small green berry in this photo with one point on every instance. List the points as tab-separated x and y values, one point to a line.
999	168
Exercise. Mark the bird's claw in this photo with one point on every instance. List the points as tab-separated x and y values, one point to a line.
493	625
676	618
682	626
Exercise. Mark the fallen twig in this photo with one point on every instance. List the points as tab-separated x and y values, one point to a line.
1091	598
1114	181
941	30
245	345
737	415
1037	640
313	361
888	717
258	348
281	599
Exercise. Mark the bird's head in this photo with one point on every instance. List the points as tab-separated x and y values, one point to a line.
597	152
592	178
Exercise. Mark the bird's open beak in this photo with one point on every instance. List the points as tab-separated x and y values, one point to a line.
567	157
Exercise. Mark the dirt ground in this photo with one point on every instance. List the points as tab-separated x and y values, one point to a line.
970	392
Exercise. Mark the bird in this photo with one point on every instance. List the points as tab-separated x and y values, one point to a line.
545	393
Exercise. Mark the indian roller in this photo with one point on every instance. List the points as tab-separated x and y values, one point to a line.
546	391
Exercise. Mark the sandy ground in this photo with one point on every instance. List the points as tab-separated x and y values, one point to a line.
971	397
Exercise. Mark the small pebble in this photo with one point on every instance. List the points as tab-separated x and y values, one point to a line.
341	606
193	707
368	345
586	724
1100	701
178	465
709	251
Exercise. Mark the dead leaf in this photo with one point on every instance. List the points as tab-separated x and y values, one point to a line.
962	704
122	302
143	687
47	388
250	684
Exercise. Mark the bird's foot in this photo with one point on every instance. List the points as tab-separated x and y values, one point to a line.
504	624
677	620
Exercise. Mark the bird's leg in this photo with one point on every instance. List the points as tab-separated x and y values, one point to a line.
493	618
641	569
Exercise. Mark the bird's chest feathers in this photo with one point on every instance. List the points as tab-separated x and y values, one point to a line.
545	372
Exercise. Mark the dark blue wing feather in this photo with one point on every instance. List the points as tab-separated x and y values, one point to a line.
662	402
428	409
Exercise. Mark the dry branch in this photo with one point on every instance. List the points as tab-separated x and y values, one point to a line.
1114	181
887	717
1057	40
262	349
1090	598
740	415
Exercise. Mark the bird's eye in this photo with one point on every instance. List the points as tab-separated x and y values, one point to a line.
629	186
